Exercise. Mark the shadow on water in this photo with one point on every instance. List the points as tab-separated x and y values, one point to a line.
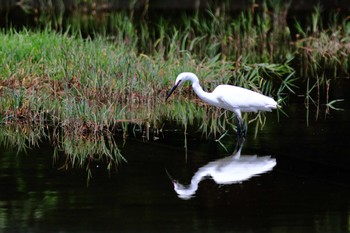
307	191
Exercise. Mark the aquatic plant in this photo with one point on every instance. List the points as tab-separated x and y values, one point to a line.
323	51
77	93
324	47
119	75
88	85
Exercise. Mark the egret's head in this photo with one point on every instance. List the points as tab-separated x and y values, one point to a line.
180	79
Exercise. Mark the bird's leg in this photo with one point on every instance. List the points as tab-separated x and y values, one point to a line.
238	125
241	129
244	129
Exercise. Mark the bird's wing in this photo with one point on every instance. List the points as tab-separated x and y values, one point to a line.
234	98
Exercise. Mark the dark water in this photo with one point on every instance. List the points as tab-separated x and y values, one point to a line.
307	191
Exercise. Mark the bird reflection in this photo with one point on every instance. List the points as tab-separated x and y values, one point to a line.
229	170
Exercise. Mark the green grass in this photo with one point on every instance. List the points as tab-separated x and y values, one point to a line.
323	51
68	80
88	89
324	47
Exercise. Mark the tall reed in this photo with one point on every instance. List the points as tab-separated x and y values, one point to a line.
323	50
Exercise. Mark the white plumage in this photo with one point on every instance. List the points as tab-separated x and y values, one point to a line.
232	98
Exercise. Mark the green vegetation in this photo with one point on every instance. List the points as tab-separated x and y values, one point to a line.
85	89
90	85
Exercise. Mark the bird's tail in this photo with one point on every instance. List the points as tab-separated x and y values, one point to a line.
271	104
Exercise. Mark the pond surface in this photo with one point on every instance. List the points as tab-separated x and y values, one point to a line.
306	190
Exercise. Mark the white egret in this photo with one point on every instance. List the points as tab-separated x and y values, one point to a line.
232	98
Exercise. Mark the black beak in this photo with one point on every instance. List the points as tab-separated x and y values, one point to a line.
171	91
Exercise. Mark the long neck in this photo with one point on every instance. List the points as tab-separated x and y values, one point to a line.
205	96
